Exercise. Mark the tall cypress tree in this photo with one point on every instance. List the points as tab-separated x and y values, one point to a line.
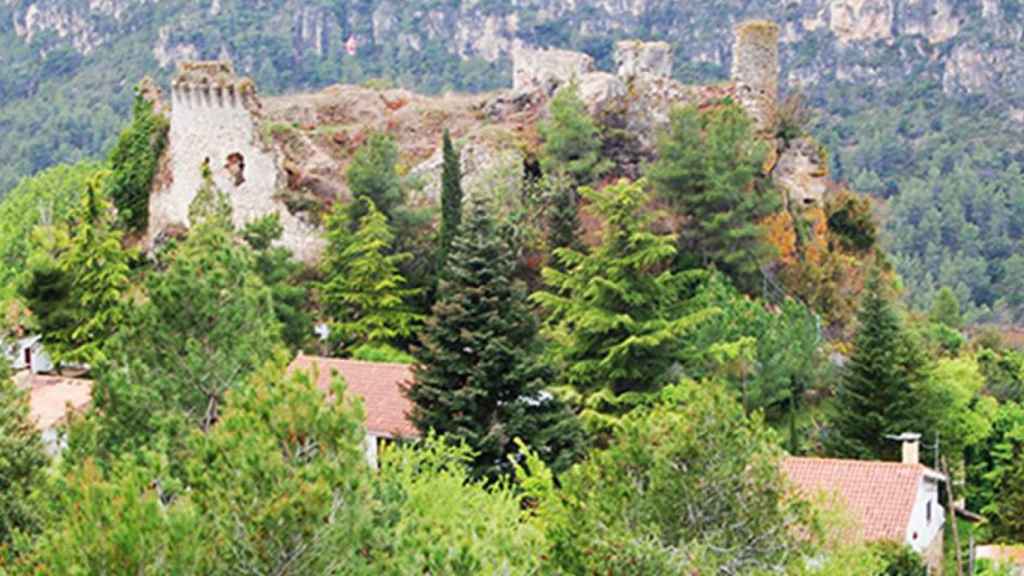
451	200
479	374
876	394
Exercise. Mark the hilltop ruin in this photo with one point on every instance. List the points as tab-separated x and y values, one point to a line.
288	154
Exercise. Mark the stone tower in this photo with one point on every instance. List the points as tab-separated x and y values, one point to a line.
215	120
755	70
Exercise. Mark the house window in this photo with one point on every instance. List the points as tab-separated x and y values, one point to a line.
928	512
28	357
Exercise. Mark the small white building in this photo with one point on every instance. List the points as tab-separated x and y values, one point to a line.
28	354
379	385
888	501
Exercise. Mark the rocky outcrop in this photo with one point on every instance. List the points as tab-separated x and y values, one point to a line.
635	58
802	173
546	70
287	155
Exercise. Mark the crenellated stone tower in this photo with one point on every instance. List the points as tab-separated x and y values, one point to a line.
755	70
215	120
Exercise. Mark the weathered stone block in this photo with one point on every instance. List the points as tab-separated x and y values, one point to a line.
547	70
802	174
600	90
635	58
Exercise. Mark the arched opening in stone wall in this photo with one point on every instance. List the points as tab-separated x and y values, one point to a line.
236	167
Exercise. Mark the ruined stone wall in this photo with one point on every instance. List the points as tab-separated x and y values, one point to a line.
755	70
635	58
546	70
214	119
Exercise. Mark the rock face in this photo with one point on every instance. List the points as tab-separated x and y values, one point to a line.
802	173
288	155
546	70
634	58
214	121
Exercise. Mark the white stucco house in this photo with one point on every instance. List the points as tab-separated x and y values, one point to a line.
27	353
887	501
379	384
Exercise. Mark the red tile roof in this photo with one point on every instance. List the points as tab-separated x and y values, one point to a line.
377	383
879	496
53	398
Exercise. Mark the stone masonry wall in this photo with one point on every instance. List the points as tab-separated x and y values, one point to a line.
214	119
755	70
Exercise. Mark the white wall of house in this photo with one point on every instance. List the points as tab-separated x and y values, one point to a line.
928	515
370	443
28	354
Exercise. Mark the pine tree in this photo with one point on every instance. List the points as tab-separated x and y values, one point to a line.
100	268
372	175
363	291
210	202
572	140
451	199
708	168
207	325
618	314
77	281
479	375
22	460
946	309
283	275
563	217
876	395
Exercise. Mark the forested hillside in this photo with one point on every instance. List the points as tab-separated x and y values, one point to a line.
923	96
589	331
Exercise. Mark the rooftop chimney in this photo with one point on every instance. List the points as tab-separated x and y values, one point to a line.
911	447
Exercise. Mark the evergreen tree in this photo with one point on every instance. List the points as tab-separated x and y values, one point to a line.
946	309
479	375
77	282
133	162
283	275
22	460
100	268
451	199
708	168
876	396
363	291
210	202
372	175
563	217
572	140
618	314
207	325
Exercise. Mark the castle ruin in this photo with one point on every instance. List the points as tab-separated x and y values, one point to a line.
215	122
262	154
755	70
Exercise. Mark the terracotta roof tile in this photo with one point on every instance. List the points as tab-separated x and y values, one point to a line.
52	398
377	383
880	496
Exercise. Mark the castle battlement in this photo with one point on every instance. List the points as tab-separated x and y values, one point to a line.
212	84
207	96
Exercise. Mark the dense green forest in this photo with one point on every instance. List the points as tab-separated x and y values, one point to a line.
615	399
